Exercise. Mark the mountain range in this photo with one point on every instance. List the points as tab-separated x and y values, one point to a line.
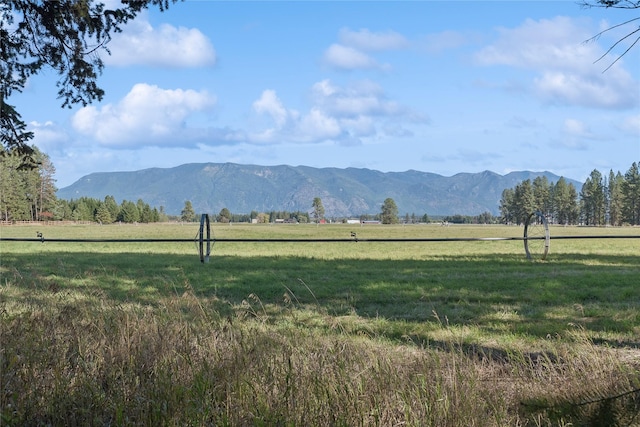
344	192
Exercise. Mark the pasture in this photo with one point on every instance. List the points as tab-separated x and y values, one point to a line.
331	333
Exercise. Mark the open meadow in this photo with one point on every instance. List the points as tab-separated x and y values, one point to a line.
442	333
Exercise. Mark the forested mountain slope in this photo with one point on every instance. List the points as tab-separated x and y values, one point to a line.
344	192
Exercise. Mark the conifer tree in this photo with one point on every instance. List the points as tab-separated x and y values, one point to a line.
318	209
389	214
631	195
188	214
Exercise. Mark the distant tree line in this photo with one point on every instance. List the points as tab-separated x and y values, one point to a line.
226	216
107	211
602	200
270	216
483	218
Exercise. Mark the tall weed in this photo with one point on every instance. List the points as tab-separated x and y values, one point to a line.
184	364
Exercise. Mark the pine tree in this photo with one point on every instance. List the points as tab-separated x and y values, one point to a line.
631	195
112	206
389	213
48	189
542	194
224	216
592	197
614	191
129	212
507	212
188	214
103	216
318	209
523	201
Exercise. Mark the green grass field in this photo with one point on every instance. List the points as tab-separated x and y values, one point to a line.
318	333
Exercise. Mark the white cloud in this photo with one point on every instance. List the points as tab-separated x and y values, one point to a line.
360	126
165	46
564	65
576	128
147	115
588	90
351	52
324	88
48	136
539	44
271	105
348	58
289	125
47	131
361	98
317	126
368	41
339	114
150	116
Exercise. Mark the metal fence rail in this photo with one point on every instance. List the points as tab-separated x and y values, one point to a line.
310	240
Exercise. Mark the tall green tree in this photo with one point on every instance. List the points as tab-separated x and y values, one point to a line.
565	202
31	182
103	216
541	189
523	201
631	195
129	212
65	36
614	198
188	214
224	216
82	211
48	189
147	214
12	200
507	211
389	214
62	210
592	198
318	209
112	206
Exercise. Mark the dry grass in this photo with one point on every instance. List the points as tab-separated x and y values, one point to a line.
100	363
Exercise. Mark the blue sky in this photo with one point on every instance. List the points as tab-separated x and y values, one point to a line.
443	87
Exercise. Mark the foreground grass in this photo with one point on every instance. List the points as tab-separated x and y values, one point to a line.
444	334
180	364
